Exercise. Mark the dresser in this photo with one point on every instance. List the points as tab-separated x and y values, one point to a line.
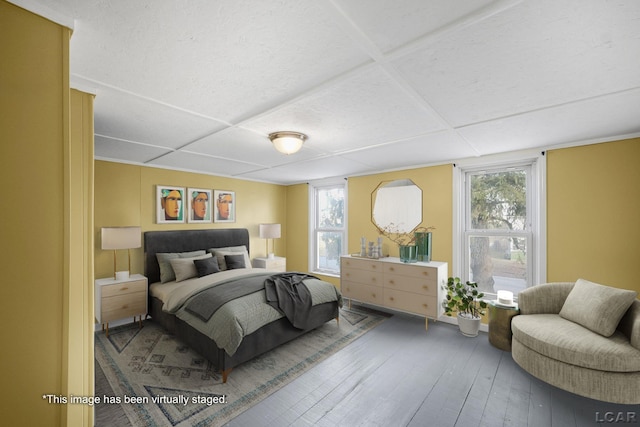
118	299
387	282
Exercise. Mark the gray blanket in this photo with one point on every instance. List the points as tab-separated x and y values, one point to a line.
207	302
288	294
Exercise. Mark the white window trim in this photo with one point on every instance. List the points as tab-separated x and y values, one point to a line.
313	187
539	217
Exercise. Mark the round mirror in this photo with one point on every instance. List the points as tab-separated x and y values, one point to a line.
397	205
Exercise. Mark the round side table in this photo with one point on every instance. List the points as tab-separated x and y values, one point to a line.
500	324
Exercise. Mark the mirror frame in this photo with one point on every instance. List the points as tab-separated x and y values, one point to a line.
397	183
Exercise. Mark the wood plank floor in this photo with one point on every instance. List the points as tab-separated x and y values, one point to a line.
400	375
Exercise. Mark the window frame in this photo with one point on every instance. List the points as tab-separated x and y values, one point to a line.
536	212
314	229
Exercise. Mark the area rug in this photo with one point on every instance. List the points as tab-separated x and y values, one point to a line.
158	381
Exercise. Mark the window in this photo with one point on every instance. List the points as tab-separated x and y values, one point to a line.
329	232
499	236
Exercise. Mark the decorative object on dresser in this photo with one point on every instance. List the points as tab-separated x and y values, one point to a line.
114	238
120	298
387	282
277	263
465	300
270	231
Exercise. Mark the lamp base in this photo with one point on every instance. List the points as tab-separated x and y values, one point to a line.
271	256
122	275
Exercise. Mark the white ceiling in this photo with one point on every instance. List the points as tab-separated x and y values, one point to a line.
375	84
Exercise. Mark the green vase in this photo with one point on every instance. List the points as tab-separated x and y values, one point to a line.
408	253
423	243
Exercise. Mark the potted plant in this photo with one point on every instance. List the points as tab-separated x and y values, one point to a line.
464	299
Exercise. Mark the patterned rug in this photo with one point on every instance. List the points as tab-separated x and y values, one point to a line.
159	381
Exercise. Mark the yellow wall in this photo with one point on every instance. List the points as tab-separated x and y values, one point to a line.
593	211
43	228
437	202
126	195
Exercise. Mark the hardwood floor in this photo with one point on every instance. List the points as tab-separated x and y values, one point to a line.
400	375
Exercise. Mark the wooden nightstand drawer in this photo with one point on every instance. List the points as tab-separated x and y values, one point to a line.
429	274
123	288
119	299
121	306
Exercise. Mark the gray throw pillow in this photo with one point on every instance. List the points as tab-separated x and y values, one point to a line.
597	307
206	266
230	250
234	261
166	271
185	267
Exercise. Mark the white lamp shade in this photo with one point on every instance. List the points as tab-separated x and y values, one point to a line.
121	237
287	142
269	231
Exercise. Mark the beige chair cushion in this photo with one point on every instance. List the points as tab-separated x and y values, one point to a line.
597	307
568	342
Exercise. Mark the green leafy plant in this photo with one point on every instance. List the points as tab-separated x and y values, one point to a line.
463	298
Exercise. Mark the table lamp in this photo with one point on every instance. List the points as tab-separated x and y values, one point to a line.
115	238
270	231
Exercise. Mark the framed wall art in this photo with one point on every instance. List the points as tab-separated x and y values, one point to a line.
225	206
199	205
169	204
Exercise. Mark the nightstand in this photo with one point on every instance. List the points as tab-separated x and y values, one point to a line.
276	263
117	299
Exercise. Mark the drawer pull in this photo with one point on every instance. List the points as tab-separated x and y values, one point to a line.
425	287
124	288
391	299
373	295
392	269
426	273
391	282
425	305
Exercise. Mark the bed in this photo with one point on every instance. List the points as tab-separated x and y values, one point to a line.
171	301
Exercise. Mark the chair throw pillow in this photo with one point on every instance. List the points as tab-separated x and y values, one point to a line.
597	307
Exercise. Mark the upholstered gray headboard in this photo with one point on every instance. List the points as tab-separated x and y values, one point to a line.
186	241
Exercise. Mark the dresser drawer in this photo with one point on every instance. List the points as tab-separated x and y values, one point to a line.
120	306
360	264
424	305
422	286
360	292
362	276
427	273
124	288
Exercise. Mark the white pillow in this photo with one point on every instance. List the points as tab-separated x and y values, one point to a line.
185	268
231	250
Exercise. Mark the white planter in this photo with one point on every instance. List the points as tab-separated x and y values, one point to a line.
469	326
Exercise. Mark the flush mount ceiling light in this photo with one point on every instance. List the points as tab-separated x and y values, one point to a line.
287	142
